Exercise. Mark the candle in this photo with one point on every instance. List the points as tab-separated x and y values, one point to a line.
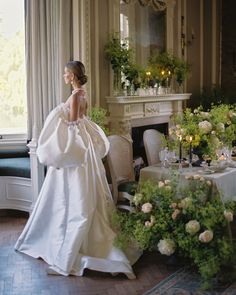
190	149
180	149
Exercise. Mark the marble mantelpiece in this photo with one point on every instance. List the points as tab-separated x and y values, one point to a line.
126	112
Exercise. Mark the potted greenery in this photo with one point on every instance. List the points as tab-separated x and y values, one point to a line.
181	72
99	116
120	55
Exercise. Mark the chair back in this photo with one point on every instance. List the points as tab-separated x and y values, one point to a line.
152	140
120	161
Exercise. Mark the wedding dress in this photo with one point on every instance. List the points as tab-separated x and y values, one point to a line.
69	227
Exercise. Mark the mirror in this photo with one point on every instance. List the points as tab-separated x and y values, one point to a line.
144	27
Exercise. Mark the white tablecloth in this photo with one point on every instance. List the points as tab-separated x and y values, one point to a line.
225	181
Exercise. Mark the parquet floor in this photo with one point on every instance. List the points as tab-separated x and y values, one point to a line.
23	275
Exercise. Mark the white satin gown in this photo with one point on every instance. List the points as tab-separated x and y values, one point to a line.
69	227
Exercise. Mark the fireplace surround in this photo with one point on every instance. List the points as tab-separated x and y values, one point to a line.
127	112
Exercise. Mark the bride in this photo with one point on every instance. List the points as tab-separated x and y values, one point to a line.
69	227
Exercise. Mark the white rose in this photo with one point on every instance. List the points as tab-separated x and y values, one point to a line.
208	182
175	214
205	127
151	222
173	205
228	216
166	247
167	181
192	227
206	236
146	208
161	184
148	224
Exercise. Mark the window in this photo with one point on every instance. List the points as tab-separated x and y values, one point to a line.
13	106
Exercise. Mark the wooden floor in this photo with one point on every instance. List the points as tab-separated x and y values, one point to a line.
23	275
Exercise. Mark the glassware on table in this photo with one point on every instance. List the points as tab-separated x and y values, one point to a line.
164	157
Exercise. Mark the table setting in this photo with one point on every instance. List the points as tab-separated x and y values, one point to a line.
201	143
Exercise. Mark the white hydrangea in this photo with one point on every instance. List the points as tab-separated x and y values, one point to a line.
204	115
192	227
205	126
137	198
166	247
147	207
215	141
185	203
206	236
220	127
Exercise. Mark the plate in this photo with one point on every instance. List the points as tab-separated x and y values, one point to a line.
217	169
206	171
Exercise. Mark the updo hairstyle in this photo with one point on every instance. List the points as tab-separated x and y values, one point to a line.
78	69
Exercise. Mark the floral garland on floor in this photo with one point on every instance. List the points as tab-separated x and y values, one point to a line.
189	220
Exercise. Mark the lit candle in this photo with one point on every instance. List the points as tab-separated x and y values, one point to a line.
190	149
180	149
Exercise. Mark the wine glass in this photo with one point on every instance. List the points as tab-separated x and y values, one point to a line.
164	157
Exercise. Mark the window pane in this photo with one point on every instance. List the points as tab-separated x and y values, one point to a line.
13	111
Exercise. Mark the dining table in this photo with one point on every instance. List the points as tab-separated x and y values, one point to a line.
224	181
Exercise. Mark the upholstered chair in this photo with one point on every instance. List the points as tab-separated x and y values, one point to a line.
120	163
152	140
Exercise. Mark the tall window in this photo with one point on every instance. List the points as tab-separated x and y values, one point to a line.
13	109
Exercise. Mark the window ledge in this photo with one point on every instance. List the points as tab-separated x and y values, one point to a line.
13	140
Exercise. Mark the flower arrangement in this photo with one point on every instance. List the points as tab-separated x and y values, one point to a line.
209	131
164	66
189	221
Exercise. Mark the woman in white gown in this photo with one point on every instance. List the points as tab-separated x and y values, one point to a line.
69	226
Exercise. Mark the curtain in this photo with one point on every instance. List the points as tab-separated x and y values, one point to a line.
48	49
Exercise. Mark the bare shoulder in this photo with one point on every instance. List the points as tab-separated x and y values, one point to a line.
78	93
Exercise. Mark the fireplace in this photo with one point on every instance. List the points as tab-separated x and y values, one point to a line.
128	112
137	137
132	115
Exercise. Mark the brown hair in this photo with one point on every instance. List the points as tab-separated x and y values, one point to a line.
78	70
